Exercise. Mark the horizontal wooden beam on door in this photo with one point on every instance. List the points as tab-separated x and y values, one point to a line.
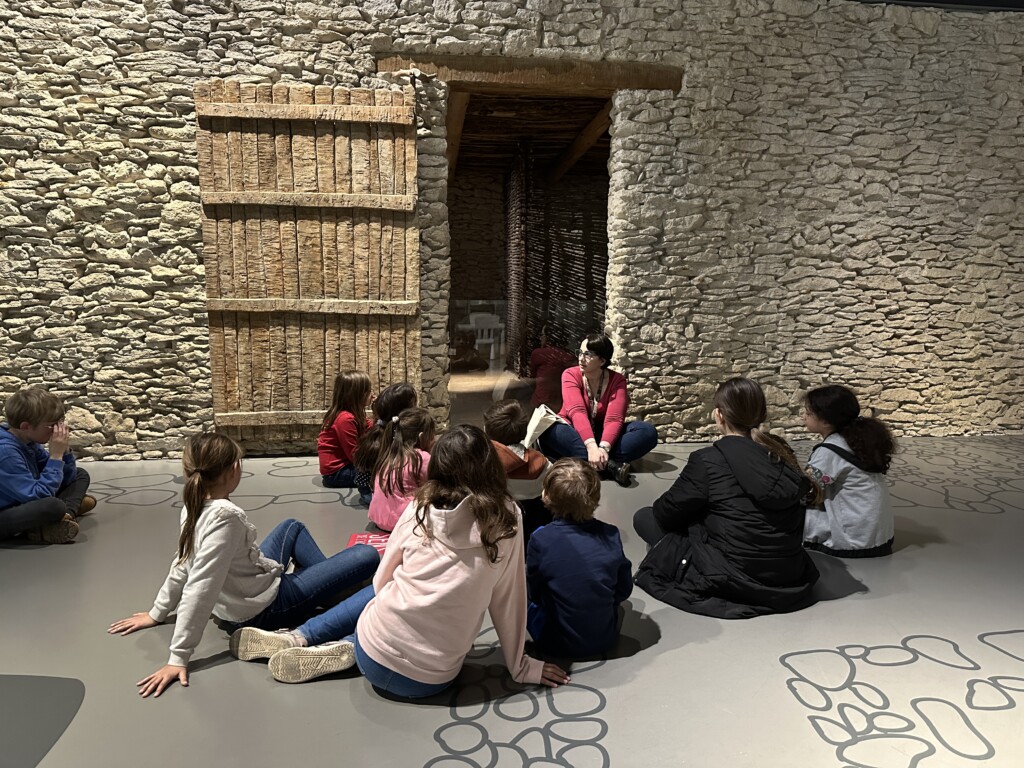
315	306
267	418
311	200
538	77
347	113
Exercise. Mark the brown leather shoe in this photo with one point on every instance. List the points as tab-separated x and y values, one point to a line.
63	532
88	505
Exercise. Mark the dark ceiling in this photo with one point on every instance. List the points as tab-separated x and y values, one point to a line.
495	126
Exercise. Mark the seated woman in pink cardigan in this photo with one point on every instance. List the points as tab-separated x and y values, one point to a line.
594	403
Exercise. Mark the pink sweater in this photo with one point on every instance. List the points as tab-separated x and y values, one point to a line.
385	510
431	596
611	408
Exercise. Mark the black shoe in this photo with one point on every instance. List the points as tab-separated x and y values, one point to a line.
618	472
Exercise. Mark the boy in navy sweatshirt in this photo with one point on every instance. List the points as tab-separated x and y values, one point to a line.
576	571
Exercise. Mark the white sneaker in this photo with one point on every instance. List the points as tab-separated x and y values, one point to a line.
249	643
297	665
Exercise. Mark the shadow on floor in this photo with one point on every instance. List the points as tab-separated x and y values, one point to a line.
910	533
36	712
836	581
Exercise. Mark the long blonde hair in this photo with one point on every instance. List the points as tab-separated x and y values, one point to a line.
206	458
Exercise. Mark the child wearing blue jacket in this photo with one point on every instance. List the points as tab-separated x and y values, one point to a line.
42	492
576	571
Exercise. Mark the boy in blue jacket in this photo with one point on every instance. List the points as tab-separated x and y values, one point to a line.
42	492
576	571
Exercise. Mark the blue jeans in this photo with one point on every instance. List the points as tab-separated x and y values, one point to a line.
563	441
339	621
316	578
389	681
349	477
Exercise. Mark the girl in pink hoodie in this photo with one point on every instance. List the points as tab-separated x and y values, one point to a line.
456	553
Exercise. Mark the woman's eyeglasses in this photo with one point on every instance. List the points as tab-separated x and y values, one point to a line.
585	354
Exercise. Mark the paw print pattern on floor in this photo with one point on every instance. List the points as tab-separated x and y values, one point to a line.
874	704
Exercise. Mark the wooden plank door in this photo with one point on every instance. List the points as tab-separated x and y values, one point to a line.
310	247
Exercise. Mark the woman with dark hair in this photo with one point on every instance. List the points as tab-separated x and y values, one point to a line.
727	537
594	404
852	516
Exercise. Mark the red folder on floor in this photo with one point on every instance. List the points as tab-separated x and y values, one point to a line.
376	540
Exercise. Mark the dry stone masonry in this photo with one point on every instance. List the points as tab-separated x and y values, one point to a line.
834	195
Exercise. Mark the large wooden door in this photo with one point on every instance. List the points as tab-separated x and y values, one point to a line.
310	247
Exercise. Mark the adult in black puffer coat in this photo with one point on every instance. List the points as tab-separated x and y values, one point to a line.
734	521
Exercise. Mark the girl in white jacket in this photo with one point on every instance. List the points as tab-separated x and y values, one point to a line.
218	569
853	515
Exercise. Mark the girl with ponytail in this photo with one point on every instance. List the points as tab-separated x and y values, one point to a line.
219	570
402	466
727	536
852	515
389	403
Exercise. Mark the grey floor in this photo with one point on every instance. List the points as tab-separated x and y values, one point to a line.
917	659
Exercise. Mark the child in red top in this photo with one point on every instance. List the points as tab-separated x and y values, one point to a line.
505	424
343	425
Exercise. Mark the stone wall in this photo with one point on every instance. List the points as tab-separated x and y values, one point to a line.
835	194
476	221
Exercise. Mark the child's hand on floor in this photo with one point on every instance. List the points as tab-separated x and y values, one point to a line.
133	623
553	676
163	677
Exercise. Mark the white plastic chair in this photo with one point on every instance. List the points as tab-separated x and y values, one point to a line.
489	331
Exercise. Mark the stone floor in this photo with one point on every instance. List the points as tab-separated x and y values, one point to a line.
917	659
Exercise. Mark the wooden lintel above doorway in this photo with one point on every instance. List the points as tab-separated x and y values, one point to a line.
538	76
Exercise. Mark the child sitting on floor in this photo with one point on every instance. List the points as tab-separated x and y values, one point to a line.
218	569
42	492
576	571
505	423
852	517
391	401
344	424
456	554
402	466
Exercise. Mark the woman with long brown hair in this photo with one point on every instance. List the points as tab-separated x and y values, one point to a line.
727	537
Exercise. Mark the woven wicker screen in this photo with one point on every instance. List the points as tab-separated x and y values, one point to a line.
310	247
566	260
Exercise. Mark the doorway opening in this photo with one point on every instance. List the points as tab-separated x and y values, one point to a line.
528	205
529	154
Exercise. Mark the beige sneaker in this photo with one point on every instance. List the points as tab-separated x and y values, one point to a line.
297	665
63	532
88	505
249	643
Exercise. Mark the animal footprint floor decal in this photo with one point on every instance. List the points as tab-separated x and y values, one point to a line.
900	705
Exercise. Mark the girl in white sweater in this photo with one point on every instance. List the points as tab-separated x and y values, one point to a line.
218	568
456	553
